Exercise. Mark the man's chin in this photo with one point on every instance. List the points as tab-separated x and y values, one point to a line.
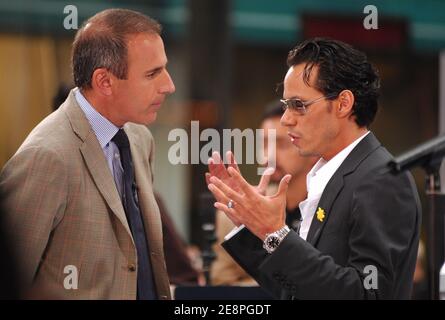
305	153
149	119
153	117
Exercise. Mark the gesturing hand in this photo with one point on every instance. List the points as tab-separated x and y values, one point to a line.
259	213
219	170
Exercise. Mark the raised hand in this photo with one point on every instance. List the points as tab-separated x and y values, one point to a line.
259	213
219	170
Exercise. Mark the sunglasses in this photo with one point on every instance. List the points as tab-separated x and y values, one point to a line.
300	106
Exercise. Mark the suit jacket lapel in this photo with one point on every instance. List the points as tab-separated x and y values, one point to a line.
328	197
336	183
94	159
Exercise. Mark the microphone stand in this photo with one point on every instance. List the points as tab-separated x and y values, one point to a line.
429	156
435	225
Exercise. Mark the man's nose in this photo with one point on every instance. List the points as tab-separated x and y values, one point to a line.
287	119
167	86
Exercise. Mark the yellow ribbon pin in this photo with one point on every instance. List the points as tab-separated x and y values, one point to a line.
320	214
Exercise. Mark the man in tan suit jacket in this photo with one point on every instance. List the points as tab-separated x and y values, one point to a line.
61	198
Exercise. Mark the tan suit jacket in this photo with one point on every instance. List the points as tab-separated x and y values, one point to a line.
63	209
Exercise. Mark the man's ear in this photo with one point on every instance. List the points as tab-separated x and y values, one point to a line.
345	103
101	81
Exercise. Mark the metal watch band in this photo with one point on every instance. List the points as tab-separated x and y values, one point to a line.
283	231
278	235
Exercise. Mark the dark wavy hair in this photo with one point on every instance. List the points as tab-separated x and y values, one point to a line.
340	67
102	43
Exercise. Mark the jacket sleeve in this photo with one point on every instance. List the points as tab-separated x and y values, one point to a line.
33	185
247	250
383	227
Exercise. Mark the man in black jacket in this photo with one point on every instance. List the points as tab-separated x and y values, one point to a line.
360	230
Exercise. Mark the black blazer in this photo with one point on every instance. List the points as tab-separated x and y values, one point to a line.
372	217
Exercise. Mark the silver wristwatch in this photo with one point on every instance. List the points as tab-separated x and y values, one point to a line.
274	239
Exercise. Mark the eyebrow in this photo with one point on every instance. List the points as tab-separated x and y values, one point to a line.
295	97
156	69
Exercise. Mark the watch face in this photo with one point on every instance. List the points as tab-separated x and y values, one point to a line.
273	241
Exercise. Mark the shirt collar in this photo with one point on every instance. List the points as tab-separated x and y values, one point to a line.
102	127
323	170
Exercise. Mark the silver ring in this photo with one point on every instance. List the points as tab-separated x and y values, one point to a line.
230	204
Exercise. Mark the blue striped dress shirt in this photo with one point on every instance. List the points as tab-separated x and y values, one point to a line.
105	131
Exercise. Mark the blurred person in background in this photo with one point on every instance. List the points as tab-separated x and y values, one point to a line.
225	271
78	193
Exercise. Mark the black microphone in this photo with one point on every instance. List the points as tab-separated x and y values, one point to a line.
426	155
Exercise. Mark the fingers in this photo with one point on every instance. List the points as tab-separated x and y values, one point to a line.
216	157
221	204
265	179
219	195
216	166
228	192
240	181
207	176
284	184
231	160
231	214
